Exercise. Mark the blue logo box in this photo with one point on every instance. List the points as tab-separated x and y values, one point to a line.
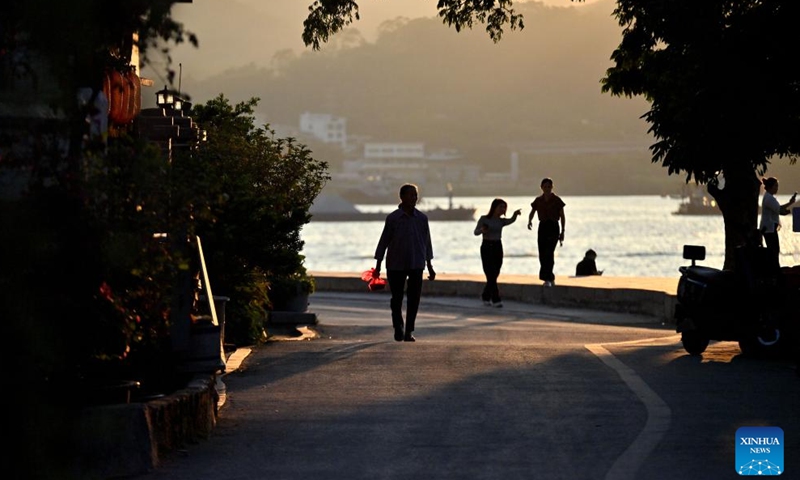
759	451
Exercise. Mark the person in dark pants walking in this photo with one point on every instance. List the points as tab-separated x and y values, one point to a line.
491	227
550	209
406	242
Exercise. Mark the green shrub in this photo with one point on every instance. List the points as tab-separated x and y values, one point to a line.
257	191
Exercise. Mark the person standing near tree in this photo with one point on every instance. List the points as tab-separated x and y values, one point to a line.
491	227
550	209
406	242
771	210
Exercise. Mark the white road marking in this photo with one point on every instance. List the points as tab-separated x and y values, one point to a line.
658	412
651	342
235	360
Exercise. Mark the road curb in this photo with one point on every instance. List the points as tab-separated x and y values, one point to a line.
130	439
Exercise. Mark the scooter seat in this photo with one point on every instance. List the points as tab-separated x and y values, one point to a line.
708	274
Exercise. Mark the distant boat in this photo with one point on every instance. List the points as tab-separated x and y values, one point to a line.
695	201
698	205
674	196
358	196
451	214
709	207
334	208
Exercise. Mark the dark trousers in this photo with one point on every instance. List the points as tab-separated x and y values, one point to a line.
547	240
397	285
773	247
492	260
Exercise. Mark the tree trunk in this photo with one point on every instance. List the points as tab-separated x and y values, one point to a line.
738	201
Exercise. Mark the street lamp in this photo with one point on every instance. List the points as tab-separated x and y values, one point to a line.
164	98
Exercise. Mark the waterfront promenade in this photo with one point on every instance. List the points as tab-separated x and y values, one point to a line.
654	296
656	284
526	391
594	300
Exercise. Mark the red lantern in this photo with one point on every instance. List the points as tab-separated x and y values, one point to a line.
114	88
135	95
124	95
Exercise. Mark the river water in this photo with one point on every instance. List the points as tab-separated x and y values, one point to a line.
634	236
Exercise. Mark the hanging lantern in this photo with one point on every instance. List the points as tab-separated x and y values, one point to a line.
124	94
133	96
114	88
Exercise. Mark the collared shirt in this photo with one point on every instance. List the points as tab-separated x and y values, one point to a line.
548	209
406	241
494	226
770	213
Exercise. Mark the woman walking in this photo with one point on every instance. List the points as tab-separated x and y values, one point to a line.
491	227
550	209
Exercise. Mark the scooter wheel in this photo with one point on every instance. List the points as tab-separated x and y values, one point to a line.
764	343
694	342
768	337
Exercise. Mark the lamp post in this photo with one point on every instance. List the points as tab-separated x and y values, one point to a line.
177	110
164	98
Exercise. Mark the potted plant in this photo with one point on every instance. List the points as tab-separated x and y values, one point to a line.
289	293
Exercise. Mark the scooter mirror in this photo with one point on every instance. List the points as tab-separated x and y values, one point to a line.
694	252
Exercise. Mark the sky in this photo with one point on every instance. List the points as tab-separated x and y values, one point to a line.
234	33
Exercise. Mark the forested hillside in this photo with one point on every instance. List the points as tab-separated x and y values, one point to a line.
536	92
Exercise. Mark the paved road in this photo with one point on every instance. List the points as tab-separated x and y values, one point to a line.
521	392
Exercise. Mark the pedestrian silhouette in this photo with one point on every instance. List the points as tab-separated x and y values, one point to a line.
406	243
491	227
550	209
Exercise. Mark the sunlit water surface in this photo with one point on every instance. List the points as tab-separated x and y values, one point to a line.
634	236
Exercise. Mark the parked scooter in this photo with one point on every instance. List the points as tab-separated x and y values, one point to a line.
752	304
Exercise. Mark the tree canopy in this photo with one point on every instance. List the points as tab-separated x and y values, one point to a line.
724	95
78	37
328	17
719	77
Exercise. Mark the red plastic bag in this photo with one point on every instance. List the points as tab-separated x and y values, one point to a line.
373	283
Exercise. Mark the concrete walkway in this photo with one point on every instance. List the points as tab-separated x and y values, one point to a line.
526	391
484	393
593	300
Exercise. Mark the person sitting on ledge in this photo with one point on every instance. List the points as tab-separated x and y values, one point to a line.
587	266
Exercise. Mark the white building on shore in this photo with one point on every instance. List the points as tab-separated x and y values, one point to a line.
384	166
325	127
